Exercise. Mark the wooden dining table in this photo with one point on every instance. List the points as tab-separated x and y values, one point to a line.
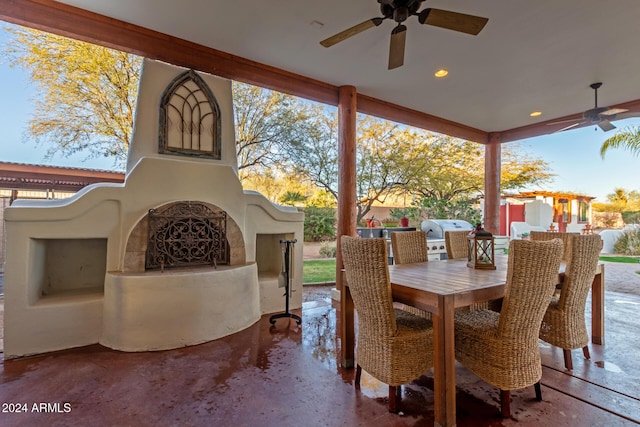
440	287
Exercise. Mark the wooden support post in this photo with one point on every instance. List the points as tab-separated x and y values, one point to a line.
492	154
347	108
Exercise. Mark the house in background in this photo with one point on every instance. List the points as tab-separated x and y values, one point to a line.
568	212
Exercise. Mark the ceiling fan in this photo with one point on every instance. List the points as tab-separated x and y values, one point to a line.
399	11
600	116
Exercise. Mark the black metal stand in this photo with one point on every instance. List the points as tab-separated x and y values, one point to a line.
288	244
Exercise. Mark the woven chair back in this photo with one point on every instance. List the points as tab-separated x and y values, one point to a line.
409	246
532	273
549	235
367	273
457	244
579	273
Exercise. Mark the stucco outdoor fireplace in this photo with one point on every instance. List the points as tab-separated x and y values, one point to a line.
177	255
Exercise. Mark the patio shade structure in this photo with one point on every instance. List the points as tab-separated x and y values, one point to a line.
531	56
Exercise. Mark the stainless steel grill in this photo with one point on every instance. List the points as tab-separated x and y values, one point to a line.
435	228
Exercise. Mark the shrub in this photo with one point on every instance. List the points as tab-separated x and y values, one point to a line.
319	224
390	222
628	243
631	217
328	250
397	213
447	209
607	220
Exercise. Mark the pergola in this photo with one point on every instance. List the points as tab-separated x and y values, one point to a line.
532	56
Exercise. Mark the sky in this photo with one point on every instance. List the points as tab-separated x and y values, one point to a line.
574	155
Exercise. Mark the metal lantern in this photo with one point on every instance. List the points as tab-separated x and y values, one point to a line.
481	250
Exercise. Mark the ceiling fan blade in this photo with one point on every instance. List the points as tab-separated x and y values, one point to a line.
622	116
350	32
564	121
606	125
569	127
396	46
613	111
452	20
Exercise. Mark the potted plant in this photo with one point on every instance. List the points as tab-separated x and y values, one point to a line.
525	236
402	214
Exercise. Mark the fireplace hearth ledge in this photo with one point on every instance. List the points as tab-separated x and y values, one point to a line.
161	311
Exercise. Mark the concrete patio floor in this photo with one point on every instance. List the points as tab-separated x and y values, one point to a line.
288	375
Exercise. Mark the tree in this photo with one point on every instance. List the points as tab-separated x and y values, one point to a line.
292	198
455	169
520	170
87	96
267	124
87	93
393	160
620	200
384	164
452	168
628	138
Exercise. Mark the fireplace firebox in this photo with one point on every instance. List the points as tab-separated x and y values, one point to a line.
186	234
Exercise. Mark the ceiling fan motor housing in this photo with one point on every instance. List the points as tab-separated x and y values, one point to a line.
400	10
594	114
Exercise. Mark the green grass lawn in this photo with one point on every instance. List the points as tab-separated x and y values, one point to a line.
316	271
625	259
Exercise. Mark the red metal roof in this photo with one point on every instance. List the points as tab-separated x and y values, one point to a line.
19	176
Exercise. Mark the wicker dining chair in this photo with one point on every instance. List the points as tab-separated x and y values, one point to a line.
566	241
393	346
502	348
457	243
563	324
549	235
409	247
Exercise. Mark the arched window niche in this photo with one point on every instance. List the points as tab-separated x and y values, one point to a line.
189	118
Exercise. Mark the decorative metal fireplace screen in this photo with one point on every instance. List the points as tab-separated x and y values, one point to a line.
186	234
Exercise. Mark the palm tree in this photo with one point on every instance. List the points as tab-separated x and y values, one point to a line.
628	138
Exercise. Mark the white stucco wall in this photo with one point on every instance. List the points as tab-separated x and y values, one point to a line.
539	213
154	79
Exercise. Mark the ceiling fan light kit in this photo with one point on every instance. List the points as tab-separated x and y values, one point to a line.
400	11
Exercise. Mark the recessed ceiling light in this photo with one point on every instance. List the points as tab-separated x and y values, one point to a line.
536	114
441	73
